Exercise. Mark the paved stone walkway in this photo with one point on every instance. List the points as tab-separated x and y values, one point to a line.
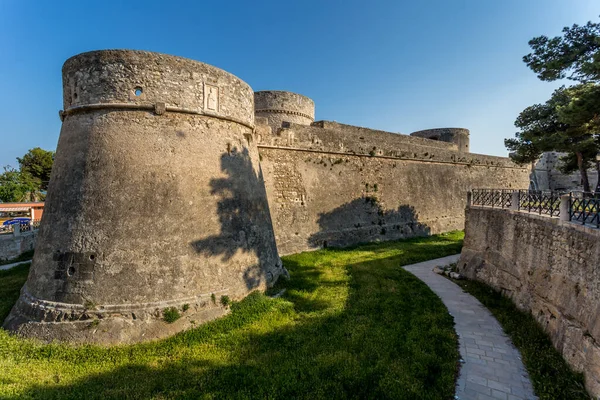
492	367
9	266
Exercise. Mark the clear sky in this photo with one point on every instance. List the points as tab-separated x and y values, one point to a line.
399	66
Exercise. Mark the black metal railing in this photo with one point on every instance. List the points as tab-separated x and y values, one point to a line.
500	198
582	207
546	202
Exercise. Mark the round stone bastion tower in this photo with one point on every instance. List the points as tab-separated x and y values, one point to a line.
280	106
156	214
459	136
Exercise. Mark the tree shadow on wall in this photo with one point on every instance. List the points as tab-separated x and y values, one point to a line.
243	212
365	220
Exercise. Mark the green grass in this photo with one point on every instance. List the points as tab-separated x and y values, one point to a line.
551	376
28	255
351	324
11	282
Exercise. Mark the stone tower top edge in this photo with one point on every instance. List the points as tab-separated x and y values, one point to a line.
433	131
459	136
133	78
266	101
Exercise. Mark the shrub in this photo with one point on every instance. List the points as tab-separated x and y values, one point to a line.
171	315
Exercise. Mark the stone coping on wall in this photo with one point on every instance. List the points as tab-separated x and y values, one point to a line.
361	131
552	219
339	139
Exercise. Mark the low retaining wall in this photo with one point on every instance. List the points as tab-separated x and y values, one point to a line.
12	246
546	266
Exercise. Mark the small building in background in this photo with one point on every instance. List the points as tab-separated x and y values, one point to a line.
33	210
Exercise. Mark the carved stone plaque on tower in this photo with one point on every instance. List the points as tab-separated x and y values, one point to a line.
211	98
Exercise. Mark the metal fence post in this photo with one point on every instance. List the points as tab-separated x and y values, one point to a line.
514	200
469	198
565	207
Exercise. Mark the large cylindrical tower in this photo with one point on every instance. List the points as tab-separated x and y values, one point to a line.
156	206
279	106
459	136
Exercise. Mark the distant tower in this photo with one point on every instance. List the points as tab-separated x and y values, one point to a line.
459	136
156	201
278	107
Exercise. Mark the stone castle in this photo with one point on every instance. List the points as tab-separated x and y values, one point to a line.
176	186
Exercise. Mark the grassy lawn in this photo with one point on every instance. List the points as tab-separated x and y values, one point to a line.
11	282
351	324
28	255
552	378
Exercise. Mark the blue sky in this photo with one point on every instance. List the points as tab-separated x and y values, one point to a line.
392	65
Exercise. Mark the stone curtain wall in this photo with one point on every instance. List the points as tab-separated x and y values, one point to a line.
336	185
12	246
548	267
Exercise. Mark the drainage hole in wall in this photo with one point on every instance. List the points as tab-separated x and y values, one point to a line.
138	91
92	257
71	271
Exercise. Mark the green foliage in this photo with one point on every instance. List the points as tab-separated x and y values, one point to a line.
575	55
568	122
352	323
225	300
171	315
17	186
185	307
551	376
569	161
28	183
37	163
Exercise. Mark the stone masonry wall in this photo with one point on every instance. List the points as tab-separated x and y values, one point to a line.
12	246
279	107
335	185
549	176
548	267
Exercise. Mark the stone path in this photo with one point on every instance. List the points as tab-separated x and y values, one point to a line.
492	367
9	266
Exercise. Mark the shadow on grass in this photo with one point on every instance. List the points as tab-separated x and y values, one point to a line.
345	329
